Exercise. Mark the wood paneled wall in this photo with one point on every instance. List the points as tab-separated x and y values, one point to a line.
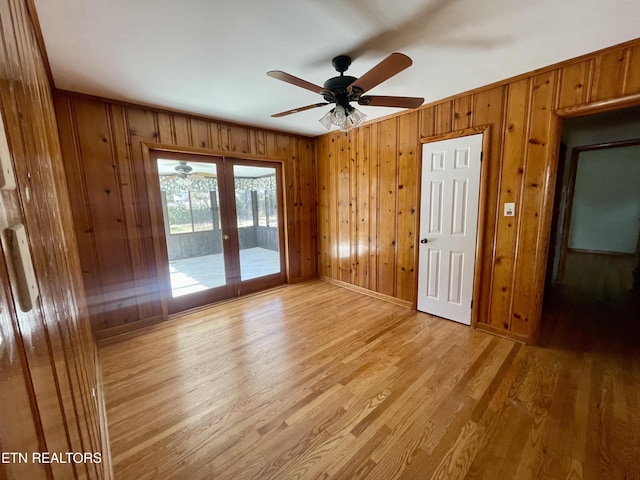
368	184
48	359
103	145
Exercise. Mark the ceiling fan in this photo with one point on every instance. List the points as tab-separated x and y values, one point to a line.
344	89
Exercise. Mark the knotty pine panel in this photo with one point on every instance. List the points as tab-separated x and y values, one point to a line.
522	160
632	83
362	176
374	205
200	134
344	208
323	149
541	151
140	126
102	143
107	228
427	121
462	113
609	74
509	188
299	181
407	206
129	188
353	207
575	84
387	206
49	359
444	117
334	243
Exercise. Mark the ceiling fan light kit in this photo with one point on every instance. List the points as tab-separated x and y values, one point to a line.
344	89
344	118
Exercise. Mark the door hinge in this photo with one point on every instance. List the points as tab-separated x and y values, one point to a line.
481	156
471	304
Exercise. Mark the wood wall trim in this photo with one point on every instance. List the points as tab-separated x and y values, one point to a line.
211	152
481	248
484	129
600	106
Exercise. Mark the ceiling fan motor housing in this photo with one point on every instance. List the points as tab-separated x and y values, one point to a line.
337	86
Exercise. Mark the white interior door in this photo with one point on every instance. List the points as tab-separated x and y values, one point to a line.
448	226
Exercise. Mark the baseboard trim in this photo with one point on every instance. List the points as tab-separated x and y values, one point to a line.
369	293
486	328
127	327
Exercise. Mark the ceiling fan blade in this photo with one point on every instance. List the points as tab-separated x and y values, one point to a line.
383	101
299	109
298	82
387	68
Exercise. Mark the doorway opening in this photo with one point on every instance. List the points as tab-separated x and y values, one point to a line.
594	252
222	227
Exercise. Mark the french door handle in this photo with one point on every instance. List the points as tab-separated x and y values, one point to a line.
424	240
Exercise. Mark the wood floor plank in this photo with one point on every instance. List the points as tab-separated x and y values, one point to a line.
313	381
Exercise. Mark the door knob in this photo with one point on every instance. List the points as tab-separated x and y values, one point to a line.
225	237
424	240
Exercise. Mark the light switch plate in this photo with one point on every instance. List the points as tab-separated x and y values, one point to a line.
509	209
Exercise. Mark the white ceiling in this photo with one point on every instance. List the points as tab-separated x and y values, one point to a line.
209	57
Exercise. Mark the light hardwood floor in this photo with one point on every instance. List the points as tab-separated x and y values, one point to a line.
313	381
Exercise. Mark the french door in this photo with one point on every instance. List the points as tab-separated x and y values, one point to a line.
221	227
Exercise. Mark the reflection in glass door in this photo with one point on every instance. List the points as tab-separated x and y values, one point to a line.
222	228
257	219
193	230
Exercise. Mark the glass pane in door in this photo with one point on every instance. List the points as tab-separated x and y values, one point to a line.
257	215
190	205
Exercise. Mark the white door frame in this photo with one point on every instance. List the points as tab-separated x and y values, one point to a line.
481	249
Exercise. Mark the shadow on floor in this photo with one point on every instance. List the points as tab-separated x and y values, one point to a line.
594	308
